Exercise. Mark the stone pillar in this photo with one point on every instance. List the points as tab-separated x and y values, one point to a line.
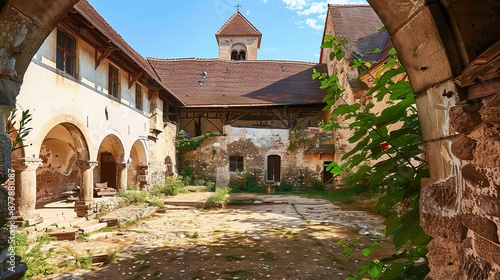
25	192
122	174
86	197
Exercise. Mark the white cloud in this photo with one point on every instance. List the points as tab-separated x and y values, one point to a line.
314	10
313	23
247	13
295	4
265	1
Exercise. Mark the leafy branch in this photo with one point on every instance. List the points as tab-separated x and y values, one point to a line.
19	134
386	157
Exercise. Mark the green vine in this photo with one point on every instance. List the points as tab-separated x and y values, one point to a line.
386	159
298	138
184	144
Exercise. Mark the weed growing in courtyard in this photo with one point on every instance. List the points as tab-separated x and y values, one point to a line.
34	255
218	200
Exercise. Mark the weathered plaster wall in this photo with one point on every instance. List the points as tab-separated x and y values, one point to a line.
162	157
255	145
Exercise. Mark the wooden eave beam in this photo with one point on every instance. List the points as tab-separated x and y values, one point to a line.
153	92
102	53
133	77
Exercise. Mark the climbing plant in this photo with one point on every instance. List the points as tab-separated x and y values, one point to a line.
385	158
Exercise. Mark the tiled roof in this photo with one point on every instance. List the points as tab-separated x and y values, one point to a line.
238	25
91	15
359	24
240	83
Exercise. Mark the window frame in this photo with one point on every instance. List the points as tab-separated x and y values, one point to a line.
114	81
138	97
65	54
235	162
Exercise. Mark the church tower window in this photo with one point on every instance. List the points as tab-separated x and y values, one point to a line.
238	52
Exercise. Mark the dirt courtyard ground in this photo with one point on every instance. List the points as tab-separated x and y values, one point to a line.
274	237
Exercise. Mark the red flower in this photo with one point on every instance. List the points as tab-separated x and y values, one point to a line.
384	146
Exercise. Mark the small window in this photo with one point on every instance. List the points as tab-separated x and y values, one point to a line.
66	53
235	163
113	81
138	96
238	55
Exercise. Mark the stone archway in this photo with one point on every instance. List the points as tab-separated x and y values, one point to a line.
137	165
62	151
112	167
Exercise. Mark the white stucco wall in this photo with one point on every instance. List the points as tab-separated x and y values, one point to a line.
82	100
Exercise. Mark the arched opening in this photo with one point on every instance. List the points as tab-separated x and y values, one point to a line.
238	52
137	165
110	155
61	151
273	168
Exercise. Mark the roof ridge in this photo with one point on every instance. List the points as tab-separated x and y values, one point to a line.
243	17
349	5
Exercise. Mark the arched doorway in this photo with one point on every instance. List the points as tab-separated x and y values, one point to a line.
137	165
61	151
273	168
111	158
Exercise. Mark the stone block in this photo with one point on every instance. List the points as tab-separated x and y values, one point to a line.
422	51
463	148
444	227
477	178
486	249
490	205
481	226
64	234
476	268
440	196
445	259
465	118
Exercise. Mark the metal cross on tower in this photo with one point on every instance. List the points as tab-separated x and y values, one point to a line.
238	7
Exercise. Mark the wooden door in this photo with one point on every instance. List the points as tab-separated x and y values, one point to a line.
108	169
273	168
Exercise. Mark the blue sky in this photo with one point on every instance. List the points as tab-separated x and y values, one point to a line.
291	29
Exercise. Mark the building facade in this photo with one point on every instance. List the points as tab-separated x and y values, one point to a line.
97	116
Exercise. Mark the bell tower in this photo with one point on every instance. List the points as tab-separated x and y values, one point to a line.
238	39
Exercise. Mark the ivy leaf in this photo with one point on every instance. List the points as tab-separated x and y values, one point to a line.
347	251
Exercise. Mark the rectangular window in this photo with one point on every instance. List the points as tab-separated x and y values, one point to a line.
235	163
113	81
138	96
66	53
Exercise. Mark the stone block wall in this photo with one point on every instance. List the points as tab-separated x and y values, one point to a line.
460	204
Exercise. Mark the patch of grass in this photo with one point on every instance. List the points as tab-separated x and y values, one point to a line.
106	229
218	200
173	185
34	255
84	262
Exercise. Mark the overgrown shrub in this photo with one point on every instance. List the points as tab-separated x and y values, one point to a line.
284	187
218	200
317	185
34	255
134	196
173	185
